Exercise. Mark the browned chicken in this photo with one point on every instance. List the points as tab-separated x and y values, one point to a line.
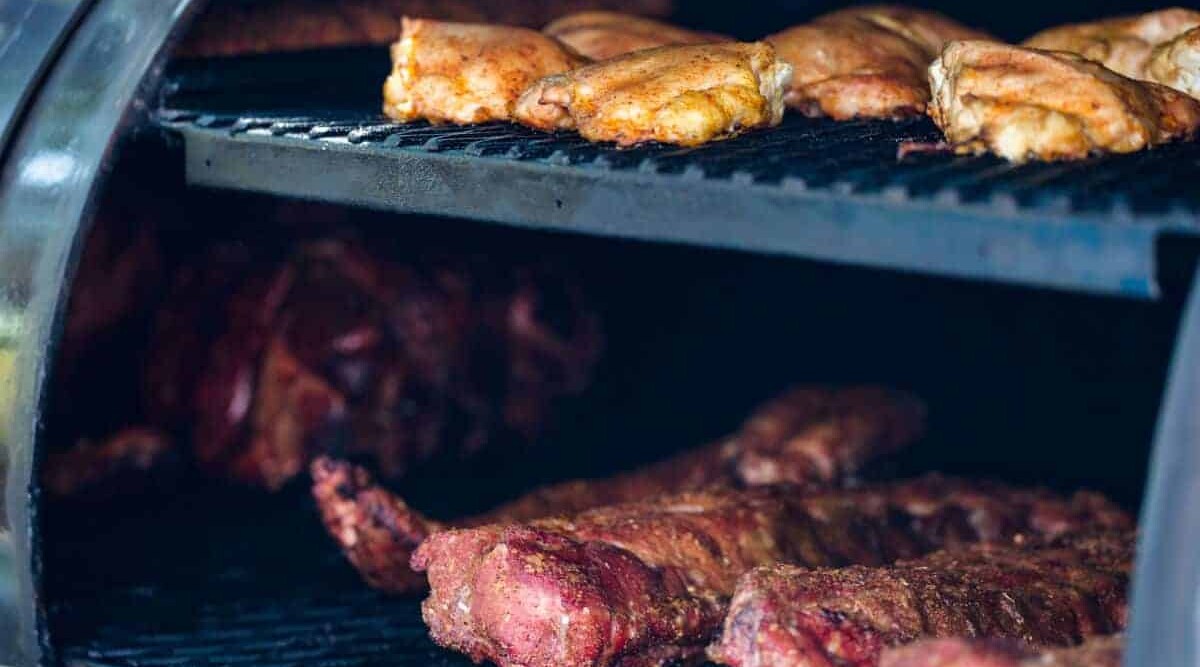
1023	104
685	95
865	62
286	25
1123	44
467	73
603	35
1177	63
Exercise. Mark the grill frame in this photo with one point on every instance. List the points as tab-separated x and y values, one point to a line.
1173	471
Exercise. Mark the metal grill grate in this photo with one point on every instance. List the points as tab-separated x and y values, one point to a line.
307	126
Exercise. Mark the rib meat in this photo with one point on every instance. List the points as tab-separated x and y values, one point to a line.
811	436
787	616
643	583
964	652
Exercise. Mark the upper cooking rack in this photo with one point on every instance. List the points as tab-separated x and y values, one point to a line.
306	125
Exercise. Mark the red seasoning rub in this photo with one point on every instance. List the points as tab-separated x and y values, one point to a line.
643	583
813	436
964	652
787	616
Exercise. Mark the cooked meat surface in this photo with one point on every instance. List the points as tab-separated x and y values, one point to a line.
1177	63
685	95
125	459
287	25
260	363
808	436
865	62
467	73
602	35
643	583
1026	104
1124	44
789	616
1102	651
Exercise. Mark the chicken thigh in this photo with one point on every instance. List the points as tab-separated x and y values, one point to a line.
1026	103
467	73
865	62
604	35
686	95
1122	44
1177	63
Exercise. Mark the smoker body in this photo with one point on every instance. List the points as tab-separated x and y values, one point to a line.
72	114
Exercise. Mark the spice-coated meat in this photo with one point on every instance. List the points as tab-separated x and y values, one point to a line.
787	616
642	583
600	35
865	62
964	652
262	362
808	435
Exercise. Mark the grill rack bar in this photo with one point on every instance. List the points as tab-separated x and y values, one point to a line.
811	188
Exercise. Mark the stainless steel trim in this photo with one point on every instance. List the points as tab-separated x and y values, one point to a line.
58	158
1165	625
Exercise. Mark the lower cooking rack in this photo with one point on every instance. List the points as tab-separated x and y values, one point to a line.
264	586
288	125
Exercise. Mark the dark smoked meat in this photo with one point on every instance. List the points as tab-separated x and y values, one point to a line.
392	362
1103	651
261	361
644	583
1055	595
808	435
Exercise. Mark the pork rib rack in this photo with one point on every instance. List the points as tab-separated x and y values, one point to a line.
644	583
811	436
1102	651
785	616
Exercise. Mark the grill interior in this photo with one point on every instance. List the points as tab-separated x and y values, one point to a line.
1066	385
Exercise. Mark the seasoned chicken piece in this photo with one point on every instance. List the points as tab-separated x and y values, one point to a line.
865	62
1122	44
604	35
1025	103
467	73
685	95
1177	63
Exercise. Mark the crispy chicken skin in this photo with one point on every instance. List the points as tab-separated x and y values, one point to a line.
865	62
1104	651
1023	104
466	73
808	436
648	582
1177	63
787	616
685	95
1123	44
602	35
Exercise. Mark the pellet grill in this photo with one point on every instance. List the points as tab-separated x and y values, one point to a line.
1041	309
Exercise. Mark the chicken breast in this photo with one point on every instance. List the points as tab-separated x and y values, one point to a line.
467	73
685	95
1123	44
865	62
603	35
1026	104
1177	63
